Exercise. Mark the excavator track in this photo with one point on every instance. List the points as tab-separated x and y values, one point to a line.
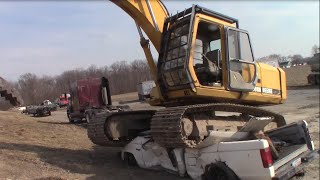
167	129
96	131
97	127
167	124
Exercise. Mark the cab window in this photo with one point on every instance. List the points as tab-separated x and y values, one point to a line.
207	54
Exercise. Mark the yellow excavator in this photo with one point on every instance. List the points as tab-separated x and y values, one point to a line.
205	63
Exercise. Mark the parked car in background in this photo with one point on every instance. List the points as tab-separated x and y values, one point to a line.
144	88
64	100
52	106
38	110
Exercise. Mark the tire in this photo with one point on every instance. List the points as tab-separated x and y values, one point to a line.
49	113
317	79
129	159
141	97
41	112
219	171
70	119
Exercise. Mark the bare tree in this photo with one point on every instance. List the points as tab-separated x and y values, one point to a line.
315	49
27	87
123	78
297	59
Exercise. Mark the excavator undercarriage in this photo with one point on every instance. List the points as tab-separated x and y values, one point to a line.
175	127
116	128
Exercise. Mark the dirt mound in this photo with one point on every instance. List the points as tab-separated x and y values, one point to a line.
10	93
4	105
297	75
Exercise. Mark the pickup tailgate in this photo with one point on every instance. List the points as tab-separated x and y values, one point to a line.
294	147
295	165
32	109
289	153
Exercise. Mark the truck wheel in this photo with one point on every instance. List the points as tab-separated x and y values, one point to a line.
49	113
70	118
219	171
141	97
40	112
129	159
317	79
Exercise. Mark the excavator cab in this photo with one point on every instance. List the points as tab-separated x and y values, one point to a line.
203	50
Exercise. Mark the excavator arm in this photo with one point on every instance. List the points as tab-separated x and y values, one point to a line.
148	14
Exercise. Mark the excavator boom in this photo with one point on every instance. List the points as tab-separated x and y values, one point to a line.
149	15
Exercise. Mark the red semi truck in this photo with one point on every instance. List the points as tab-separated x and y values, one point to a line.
89	96
64	100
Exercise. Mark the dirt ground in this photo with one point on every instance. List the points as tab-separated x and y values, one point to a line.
51	148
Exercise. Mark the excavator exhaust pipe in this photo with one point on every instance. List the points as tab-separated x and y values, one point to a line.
106	90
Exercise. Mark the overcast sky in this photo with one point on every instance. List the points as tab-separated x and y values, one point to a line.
49	37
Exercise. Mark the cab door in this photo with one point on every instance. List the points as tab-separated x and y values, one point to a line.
241	66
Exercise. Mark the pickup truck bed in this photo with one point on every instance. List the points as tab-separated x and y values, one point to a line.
285	151
296	140
292	150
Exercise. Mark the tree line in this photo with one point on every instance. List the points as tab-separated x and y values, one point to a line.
123	78
295	59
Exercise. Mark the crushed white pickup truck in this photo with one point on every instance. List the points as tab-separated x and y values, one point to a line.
279	153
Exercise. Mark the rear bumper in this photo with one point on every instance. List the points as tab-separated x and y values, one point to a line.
287	171
32	111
